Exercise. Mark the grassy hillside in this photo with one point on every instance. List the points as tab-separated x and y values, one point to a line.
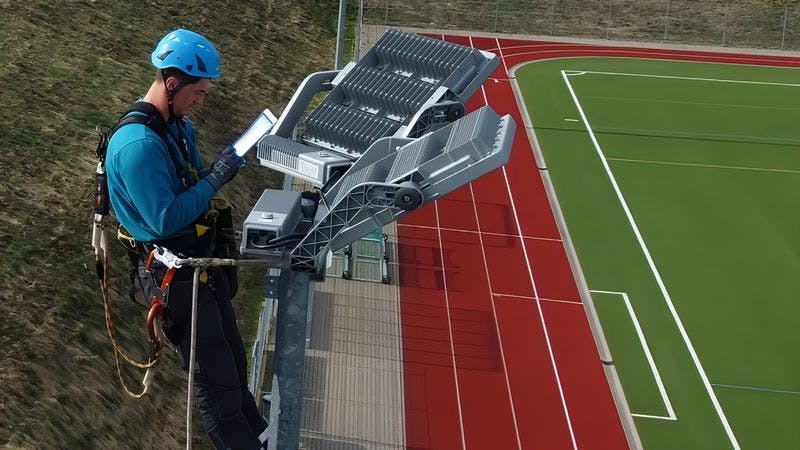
64	67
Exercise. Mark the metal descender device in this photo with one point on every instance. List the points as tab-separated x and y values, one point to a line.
390	136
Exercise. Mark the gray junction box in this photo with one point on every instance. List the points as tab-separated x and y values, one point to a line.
275	214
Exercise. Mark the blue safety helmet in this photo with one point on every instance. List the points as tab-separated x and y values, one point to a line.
189	52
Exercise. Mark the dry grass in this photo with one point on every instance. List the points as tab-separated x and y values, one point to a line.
66	66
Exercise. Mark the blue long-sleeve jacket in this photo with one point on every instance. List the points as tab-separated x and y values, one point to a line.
148	198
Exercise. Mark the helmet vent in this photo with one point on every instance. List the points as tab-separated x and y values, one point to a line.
163	56
201	66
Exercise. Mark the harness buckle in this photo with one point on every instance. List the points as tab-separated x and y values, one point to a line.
154	318
166	257
159	302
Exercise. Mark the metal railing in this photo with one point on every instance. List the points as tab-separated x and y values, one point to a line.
263	334
773	24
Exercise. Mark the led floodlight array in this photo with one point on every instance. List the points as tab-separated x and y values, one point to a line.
405	86
390	136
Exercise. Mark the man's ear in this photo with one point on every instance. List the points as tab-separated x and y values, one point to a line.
171	83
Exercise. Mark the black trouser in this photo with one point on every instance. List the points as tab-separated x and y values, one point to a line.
229	411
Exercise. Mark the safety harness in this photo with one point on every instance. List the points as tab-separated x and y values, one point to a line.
147	114
100	244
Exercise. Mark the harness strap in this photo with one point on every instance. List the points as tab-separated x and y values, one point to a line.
135	255
119	353
148	115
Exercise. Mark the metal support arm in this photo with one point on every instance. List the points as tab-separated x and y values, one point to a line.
309	87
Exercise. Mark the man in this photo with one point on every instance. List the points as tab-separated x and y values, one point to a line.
161	194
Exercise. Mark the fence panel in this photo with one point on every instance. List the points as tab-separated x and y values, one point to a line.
639	20
746	26
696	22
791	36
581	18
734	23
525	17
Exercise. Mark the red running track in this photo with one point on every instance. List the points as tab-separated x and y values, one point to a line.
497	349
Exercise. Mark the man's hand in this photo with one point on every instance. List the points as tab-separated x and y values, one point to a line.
224	168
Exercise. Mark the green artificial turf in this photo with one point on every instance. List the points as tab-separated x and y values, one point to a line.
710	172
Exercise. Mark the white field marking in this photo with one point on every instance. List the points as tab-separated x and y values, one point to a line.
676	77
710	166
536	292
686	102
651	416
496	323
450	330
487	233
654	270
571	120
752	388
646	348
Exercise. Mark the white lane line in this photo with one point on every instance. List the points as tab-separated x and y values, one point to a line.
450	330
486	233
752	388
533	283
675	77
491	300
558	47
646	348
634	53
569	302
708	166
536	294
496	323
499	50
653	269
541	318
526	297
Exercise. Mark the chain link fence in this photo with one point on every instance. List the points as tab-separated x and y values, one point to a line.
773	24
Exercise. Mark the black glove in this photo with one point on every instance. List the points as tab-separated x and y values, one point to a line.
224	168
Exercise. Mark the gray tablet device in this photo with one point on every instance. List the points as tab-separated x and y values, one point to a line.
260	126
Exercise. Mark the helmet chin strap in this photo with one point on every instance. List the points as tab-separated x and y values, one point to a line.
171	117
171	93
